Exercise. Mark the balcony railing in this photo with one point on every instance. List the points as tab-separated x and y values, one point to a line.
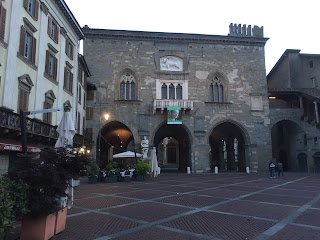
11	121
164	103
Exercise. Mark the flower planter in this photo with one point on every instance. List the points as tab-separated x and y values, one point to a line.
126	178
61	219
92	179
140	178
40	228
111	179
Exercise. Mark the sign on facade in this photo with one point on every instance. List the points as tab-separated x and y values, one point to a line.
174	115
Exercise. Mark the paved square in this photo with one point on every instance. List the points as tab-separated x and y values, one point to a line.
196	206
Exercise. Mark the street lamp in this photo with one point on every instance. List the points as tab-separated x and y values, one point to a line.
106	117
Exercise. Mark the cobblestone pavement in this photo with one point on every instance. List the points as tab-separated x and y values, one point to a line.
197	206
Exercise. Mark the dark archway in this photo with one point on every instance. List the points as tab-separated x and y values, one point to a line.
173	147
287	136
116	137
227	143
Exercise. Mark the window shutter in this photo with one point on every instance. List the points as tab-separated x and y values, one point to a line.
84	100
55	69
2	21
67	45
71	52
79	100
25	4
57	34
65	78
36	10
71	82
45	116
47	62
22	40
49	25
33	50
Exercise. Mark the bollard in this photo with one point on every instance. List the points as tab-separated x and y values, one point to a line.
216	169
188	170
247	170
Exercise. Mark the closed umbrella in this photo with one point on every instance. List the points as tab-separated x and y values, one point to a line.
66	131
154	162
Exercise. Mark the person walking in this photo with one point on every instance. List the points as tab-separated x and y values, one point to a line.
280	169
272	169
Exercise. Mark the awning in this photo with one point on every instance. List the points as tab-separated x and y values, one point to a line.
8	145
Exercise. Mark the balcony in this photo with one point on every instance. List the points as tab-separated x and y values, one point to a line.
37	131
164	103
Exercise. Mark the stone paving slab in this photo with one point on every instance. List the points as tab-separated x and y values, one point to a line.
148	211
297	233
93	225
256	209
220	225
309	217
146	195
221	193
102	202
296	201
156	234
191	200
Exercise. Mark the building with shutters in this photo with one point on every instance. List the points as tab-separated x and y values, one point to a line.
39	69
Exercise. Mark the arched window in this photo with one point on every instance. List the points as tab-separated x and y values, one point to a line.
216	90
171	91
179	91
127	87
164	91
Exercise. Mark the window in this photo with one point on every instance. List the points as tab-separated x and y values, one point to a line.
80	74
51	65
32	7
89	113
171	90
48	103
27	45
53	29
127	87
23	100
90	95
78	128
79	96
68	80
84	100
314	82
69	48
216	90
3	12
24	87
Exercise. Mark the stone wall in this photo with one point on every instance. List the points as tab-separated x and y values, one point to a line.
239	62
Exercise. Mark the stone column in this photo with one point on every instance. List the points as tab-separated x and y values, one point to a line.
301	102
316	111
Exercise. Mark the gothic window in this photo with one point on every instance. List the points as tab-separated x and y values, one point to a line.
179	91
164	91
216	90
171	91
127	87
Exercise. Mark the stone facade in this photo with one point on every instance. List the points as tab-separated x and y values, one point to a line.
237	108
293	83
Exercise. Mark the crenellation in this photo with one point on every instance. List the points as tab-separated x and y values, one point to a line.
244	31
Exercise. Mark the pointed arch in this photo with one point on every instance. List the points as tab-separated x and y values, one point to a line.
218	87
127	85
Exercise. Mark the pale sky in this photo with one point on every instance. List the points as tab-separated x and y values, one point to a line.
289	24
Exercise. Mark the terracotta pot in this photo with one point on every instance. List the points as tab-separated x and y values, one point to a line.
61	219
41	228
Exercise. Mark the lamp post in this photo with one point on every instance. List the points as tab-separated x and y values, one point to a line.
106	117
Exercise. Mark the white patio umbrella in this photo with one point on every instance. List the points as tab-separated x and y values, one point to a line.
127	154
66	131
154	162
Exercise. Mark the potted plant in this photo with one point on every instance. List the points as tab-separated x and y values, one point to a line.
93	173
47	175
141	169
111	171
